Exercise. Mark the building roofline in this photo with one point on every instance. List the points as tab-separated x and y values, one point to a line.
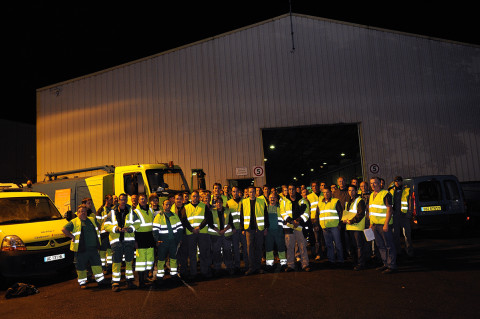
221	35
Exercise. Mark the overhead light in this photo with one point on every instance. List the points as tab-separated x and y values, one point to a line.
343	154
294	178
324	163
302	174
272	147
311	169
264	159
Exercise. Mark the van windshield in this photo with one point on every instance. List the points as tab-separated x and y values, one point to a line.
27	210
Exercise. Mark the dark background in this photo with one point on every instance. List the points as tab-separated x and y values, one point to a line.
46	42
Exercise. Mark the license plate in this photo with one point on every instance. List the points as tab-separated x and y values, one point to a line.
431	208
54	257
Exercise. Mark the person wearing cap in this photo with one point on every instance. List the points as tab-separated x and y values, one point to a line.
402	215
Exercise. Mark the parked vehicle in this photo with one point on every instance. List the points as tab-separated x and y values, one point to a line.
471	190
67	192
437	200
32	242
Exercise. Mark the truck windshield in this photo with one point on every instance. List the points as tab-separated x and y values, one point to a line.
166	179
27	210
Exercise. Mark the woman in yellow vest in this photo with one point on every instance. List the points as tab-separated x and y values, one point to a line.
381	222
354	218
85	243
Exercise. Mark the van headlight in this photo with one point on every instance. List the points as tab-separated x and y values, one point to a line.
12	243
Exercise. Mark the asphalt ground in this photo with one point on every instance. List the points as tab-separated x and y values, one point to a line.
441	281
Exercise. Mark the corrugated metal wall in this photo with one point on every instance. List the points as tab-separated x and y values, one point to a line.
203	105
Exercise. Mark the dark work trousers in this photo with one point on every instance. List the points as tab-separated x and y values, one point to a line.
239	238
203	243
358	243
254	248
182	256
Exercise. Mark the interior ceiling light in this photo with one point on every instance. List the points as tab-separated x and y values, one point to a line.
272	147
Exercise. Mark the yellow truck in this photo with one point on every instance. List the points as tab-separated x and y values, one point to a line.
68	190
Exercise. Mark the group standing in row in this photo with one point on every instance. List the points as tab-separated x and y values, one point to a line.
216	229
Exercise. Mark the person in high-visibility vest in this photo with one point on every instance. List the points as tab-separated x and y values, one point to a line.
295	214
144	240
259	195
167	230
238	238
275	236
380	211
197	235
254	222
354	218
105	249
315	197
329	213
221	237
402	215
227	194
182	254
216	193
85	243
120	226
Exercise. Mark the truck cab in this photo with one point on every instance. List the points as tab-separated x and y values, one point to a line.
162	179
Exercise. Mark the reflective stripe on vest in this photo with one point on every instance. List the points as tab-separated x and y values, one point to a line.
377	208
235	212
258	213
328	215
216	223
195	216
314	201
353	209
146	225
404	199
77	231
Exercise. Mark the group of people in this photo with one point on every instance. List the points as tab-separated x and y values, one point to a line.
217	229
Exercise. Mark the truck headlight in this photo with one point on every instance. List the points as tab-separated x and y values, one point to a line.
12	243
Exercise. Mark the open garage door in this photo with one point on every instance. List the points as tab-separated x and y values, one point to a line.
308	153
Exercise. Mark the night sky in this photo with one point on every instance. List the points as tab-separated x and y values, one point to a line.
45	42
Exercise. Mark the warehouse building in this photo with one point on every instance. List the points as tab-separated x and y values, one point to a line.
291	99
